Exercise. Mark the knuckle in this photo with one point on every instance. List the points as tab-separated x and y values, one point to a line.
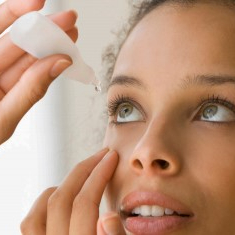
37	93
27	61
79	201
82	166
83	199
56	200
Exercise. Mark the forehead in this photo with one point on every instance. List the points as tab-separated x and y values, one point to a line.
177	41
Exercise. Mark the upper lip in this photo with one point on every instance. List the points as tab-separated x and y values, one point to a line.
136	199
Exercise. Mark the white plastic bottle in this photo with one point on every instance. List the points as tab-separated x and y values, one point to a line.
40	37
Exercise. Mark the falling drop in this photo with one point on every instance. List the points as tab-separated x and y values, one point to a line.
98	87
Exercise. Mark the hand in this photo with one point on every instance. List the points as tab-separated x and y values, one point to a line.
110	224
23	79
73	207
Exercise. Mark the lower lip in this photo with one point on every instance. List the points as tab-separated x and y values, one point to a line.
155	225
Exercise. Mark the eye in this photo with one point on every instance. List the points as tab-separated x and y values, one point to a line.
124	109
216	113
126	112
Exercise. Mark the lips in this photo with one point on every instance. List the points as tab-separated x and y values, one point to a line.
153	213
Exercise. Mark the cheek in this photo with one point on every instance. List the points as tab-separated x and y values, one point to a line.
213	153
123	139
211	162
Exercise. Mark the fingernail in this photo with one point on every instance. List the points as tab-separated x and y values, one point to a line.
103	150
110	153
111	224
59	67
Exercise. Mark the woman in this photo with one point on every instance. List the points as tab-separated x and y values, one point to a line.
168	164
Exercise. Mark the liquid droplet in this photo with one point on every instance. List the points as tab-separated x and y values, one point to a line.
98	87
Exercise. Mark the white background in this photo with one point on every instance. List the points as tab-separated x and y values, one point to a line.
65	127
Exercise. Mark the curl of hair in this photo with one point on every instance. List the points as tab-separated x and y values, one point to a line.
109	57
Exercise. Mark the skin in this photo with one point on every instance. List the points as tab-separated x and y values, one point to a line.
24	80
167	47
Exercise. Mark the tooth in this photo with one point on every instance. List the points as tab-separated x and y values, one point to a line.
157	211
136	211
145	210
169	211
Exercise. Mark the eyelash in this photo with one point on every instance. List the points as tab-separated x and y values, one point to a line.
117	101
211	99
215	99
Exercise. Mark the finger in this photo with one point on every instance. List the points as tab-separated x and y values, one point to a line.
12	75
10	52
109	224
31	87
65	19
85	211
73	34
35	221
10	10
60	203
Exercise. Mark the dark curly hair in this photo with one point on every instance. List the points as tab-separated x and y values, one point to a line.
139	10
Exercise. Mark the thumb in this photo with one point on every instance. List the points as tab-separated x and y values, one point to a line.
110	224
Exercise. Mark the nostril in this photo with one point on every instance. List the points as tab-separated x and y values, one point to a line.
162	163
137	164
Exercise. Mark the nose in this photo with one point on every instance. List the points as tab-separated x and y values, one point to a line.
158	151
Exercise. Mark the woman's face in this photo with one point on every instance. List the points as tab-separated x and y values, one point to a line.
172	121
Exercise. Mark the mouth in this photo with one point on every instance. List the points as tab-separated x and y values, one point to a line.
153	213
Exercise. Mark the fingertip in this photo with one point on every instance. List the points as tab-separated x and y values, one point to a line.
75	13
59	66
72	15
73	33
36	4
111	154
66	20
111	224
104	150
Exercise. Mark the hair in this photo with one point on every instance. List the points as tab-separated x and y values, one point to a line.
138	12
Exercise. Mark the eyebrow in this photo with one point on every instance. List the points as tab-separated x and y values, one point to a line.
127	81
205	79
